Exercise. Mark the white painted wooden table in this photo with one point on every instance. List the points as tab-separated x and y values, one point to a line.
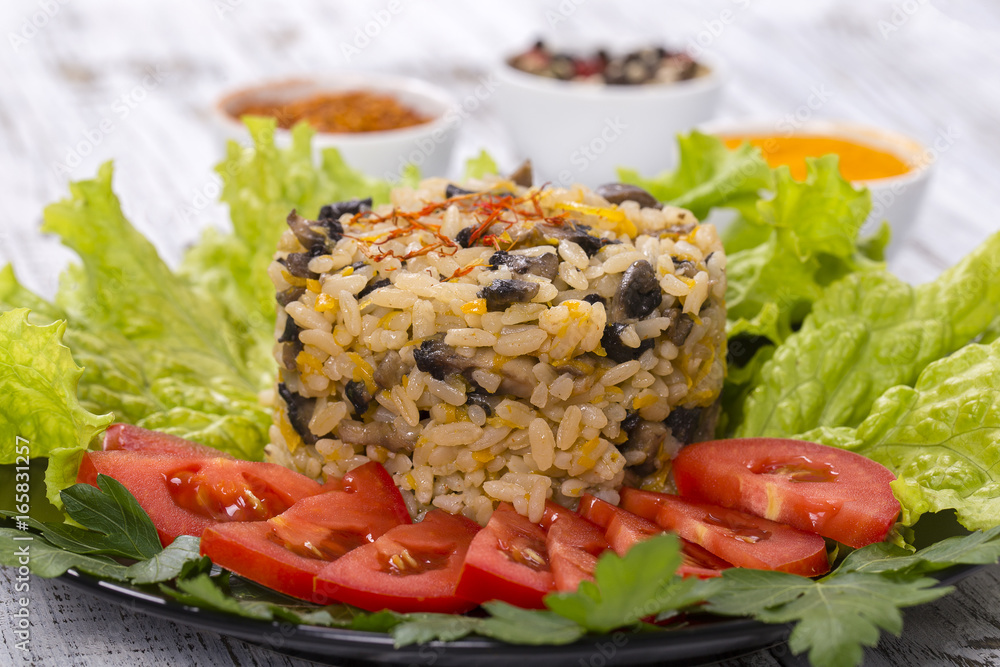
81	83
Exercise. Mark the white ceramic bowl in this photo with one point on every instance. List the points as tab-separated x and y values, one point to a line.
383	154
581	132
897	199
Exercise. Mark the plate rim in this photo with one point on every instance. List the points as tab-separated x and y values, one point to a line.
303	639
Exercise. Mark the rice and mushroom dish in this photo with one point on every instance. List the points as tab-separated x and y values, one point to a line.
498	342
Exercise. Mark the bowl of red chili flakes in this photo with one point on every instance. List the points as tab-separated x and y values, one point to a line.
379	122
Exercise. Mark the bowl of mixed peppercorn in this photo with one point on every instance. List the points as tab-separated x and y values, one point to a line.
581	114
380	123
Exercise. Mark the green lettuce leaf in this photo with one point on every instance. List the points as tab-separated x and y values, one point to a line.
868	333
480	165
942	438
812	242
709	175
38	402
154	346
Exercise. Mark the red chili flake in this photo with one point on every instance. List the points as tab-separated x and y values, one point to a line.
486	208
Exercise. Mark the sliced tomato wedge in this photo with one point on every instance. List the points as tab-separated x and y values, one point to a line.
250	550
507	561
738	538
287	551
410	568
623	529
183	495
143	441
699	562
329	525
574	545
834	492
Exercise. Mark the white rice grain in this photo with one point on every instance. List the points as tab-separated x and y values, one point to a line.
620	373
522	312
445	392
543	444
563	387
487	379
622	261
569	428
307	318
574	255
469	338
350	314
520	343
673	285
453	435
353	283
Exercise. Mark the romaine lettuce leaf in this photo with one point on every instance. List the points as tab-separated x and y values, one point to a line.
942	438
868	333
122	284
38	403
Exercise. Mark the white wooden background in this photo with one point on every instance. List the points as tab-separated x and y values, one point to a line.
84	82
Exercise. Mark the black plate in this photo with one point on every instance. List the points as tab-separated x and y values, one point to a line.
703	640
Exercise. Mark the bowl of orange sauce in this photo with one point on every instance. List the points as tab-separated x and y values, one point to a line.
893	166
380	123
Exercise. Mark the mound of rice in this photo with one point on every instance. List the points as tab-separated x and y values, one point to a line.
501	343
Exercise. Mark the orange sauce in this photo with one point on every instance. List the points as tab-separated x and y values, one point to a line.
353	111
858	162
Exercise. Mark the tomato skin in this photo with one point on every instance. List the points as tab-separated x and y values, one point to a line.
490	573
363	577
597	511
249	550
699	562
838	494
741	539
574	545
125	437
147	478
623	529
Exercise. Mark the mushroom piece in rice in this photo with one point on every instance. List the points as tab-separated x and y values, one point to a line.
497	342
